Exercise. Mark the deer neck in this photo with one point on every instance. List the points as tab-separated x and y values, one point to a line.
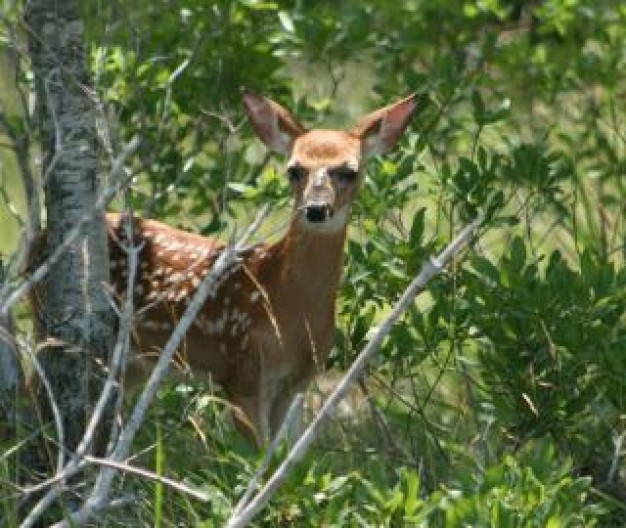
311	263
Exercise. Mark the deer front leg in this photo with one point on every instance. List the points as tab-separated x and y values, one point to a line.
251	419
280	405
279	412
247	390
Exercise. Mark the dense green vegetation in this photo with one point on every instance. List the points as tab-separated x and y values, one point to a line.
501	398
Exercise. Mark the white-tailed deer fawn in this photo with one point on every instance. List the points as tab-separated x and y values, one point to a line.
269	326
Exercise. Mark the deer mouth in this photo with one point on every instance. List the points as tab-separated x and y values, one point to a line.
318	212
325	221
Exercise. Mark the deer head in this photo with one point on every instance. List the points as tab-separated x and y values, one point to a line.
325	166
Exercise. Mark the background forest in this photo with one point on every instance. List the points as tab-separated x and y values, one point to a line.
500	398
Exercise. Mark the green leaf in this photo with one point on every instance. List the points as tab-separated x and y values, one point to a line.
286	21
417	227
518	252
478	106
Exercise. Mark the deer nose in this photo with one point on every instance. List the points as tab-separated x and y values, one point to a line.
318	212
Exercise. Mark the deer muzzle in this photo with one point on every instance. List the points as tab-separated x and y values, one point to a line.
318	211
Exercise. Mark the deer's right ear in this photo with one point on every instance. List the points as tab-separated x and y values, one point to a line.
274	124
381	130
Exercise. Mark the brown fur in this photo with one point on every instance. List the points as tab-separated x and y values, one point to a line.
269	327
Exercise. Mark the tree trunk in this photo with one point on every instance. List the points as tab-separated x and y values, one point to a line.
75	311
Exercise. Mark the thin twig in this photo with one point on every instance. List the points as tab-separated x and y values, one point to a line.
119	362
56	413
381	421
618	440
67	472
42	505
428	271
126	468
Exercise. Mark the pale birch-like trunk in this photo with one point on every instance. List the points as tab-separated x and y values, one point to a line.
75	311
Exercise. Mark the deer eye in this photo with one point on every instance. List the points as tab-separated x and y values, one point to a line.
295	173
345	174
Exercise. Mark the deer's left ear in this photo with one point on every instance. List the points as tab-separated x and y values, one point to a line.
381	130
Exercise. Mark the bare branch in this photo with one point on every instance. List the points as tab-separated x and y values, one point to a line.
119	353
428	271
618	440
56	413
126	468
